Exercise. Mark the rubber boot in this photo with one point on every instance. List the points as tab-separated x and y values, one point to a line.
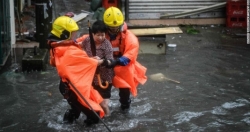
92	118
125	106
69	116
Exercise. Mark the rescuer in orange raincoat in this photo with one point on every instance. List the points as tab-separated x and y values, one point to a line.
128	72
76	71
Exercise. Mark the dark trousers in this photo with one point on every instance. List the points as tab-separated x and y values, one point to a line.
76	106
124	94
105	93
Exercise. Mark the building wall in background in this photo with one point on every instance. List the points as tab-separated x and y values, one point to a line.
152	9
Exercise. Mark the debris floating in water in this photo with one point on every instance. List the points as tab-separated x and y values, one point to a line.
171	45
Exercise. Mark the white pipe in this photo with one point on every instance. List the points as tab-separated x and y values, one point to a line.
12	23
195	11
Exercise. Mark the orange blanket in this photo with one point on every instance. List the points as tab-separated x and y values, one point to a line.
73	64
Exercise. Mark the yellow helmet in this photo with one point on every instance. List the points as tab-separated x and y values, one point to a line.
113	17
63	26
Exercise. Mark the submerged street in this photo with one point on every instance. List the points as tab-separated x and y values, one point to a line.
213	69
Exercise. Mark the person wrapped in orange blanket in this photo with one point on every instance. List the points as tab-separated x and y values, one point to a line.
76	71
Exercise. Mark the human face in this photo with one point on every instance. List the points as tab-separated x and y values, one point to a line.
73	35
99	37
113	30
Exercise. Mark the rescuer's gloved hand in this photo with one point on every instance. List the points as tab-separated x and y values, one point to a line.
123	61
109	63
105	62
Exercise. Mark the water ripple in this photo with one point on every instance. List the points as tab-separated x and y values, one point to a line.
246	120
142	109
231	105
219	111
186	116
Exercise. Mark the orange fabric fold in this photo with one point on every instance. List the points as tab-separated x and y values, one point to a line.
73	64
131	75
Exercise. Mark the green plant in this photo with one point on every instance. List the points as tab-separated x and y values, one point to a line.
192	30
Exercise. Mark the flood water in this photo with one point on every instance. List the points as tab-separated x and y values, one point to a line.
213	94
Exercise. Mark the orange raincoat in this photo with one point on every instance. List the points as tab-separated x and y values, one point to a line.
73	64
131	75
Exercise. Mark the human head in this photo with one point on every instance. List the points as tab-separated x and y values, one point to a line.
99	26
98	29
114	19
65	28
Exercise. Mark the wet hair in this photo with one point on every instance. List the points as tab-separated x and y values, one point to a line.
99	26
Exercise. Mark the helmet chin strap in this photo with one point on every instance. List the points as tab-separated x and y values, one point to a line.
112	35
114	32
120	29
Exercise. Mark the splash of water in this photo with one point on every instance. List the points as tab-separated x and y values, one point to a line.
186	116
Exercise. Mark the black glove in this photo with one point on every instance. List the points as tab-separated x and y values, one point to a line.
113	63
110	63
105	63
